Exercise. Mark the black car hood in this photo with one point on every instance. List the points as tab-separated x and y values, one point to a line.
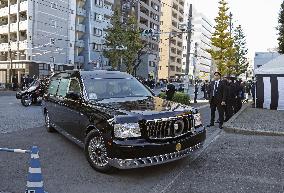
133	109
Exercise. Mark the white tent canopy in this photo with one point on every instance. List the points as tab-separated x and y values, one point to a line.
275	66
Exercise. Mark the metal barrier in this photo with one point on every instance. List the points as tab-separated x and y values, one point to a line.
34	179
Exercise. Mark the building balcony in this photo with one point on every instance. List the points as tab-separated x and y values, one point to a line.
23	45
80	43
79	59
13	27
4	29
81	28
23	25
82	12
4	47
4	11
24	6
14	46
14	9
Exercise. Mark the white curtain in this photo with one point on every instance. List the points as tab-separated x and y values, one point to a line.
267	92
281	93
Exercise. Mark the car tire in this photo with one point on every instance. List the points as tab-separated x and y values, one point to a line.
96	152
26	100
48	126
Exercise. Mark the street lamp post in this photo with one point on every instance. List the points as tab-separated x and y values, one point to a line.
9	67
52	65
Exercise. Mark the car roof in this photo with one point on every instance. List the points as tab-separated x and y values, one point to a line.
104	74
96	74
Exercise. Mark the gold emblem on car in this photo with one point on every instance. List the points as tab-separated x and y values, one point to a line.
178	146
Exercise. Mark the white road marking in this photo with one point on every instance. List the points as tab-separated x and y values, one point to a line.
208	142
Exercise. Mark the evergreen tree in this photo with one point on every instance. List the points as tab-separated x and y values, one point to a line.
123	35
133	42
242	63
223	51
115	37
280	29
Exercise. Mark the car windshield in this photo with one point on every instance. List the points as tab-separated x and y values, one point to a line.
99	89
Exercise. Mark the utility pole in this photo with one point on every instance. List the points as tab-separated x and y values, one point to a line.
189	31
9	67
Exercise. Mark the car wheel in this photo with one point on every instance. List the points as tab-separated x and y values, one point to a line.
96	152
26	100
48	126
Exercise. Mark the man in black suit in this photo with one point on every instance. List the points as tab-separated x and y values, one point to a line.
217	98
171	89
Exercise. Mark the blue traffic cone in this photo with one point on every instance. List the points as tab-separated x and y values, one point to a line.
35	179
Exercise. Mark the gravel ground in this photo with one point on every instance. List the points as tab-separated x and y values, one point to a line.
14	116
260	119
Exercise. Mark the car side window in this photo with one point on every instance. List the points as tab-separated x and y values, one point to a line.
53	86
74	86
63	87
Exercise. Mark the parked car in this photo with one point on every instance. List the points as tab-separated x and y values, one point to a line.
118	121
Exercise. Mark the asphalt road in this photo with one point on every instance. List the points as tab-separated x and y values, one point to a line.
227	163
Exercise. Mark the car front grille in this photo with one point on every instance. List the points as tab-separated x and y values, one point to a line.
170	127
154	160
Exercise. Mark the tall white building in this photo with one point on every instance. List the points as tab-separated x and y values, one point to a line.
200	59
91	31
35	34
40	33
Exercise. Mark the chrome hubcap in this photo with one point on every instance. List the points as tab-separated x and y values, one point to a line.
97	151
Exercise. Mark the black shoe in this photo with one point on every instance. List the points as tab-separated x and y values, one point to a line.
220	126
211	125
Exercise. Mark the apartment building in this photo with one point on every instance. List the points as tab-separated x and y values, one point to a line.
90	23
148	13
35	34
171	40
200	60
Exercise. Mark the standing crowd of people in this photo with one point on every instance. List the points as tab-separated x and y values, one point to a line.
226	96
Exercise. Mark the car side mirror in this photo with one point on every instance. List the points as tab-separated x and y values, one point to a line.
73	96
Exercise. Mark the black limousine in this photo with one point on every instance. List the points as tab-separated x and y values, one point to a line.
118	121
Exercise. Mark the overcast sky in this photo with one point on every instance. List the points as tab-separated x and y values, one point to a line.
258	18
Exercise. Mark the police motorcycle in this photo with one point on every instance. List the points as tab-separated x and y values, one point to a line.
32	94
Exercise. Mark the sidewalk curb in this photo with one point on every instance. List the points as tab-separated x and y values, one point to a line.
231	129
252	132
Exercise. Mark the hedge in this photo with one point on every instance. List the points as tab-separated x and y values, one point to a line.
179	97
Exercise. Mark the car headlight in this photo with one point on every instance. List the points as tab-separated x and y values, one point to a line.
197	120
127	130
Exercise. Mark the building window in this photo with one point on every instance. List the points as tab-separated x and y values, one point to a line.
98	32
97	47
98	17
53	5
99	2
53	23
52	41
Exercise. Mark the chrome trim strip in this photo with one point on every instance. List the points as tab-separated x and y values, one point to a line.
151	161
